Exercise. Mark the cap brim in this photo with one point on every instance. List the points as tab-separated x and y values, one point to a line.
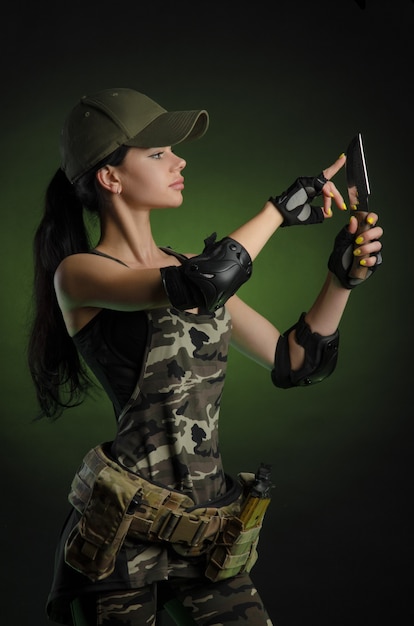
170	128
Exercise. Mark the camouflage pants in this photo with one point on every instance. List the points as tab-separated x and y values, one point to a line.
198	603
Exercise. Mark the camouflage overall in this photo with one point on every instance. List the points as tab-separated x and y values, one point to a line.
169	434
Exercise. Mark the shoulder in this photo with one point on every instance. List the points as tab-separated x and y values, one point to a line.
73	267
85	263
78	272
72	261
70	264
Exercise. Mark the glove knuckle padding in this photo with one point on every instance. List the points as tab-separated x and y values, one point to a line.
209	279
321	355
297	199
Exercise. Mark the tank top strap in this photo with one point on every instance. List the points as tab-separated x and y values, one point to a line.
177	255
107	256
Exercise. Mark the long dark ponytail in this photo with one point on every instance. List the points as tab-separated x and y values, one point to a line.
60	378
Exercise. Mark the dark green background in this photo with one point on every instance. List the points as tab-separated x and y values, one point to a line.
287	86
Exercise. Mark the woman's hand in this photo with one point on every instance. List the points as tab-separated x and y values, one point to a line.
347	246
295	206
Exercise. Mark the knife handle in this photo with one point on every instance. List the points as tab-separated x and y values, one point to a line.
357	270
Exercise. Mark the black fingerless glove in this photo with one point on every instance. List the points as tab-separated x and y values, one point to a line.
294	204
342	257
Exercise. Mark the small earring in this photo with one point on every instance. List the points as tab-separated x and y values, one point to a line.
118	191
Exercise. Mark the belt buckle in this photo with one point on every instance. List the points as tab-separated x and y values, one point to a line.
178	528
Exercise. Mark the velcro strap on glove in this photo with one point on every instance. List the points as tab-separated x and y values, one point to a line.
294	204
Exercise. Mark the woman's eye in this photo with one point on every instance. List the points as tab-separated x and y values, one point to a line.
157	155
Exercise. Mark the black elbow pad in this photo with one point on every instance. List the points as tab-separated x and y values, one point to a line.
209	279
321	355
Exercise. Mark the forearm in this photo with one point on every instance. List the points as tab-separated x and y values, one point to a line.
254	234
307	352
326	312
323	317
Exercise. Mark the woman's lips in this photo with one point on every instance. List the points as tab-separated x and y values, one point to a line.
178	184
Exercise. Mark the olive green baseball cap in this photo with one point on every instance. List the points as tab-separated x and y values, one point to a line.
102	122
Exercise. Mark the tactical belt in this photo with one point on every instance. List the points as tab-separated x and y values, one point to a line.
115	503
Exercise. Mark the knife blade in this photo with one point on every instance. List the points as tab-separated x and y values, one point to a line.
358	194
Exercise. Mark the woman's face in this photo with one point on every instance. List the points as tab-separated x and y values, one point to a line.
151	178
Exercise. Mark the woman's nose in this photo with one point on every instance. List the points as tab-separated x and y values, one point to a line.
180	164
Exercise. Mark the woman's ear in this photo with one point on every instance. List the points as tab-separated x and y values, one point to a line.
108	179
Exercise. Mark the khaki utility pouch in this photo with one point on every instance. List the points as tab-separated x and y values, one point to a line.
234	552
93	545
235	548
115	503
109	498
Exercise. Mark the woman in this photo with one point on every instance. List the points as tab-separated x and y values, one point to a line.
154	326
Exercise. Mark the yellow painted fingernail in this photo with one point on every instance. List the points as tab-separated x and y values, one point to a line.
354	207
363	262
341	156
343	206
359	239
370	220
331	194
329	212
357	252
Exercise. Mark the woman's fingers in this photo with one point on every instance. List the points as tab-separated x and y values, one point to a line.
330	192
371	219
333	169
368	242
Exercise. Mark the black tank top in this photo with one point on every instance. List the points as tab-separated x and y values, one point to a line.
113	345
